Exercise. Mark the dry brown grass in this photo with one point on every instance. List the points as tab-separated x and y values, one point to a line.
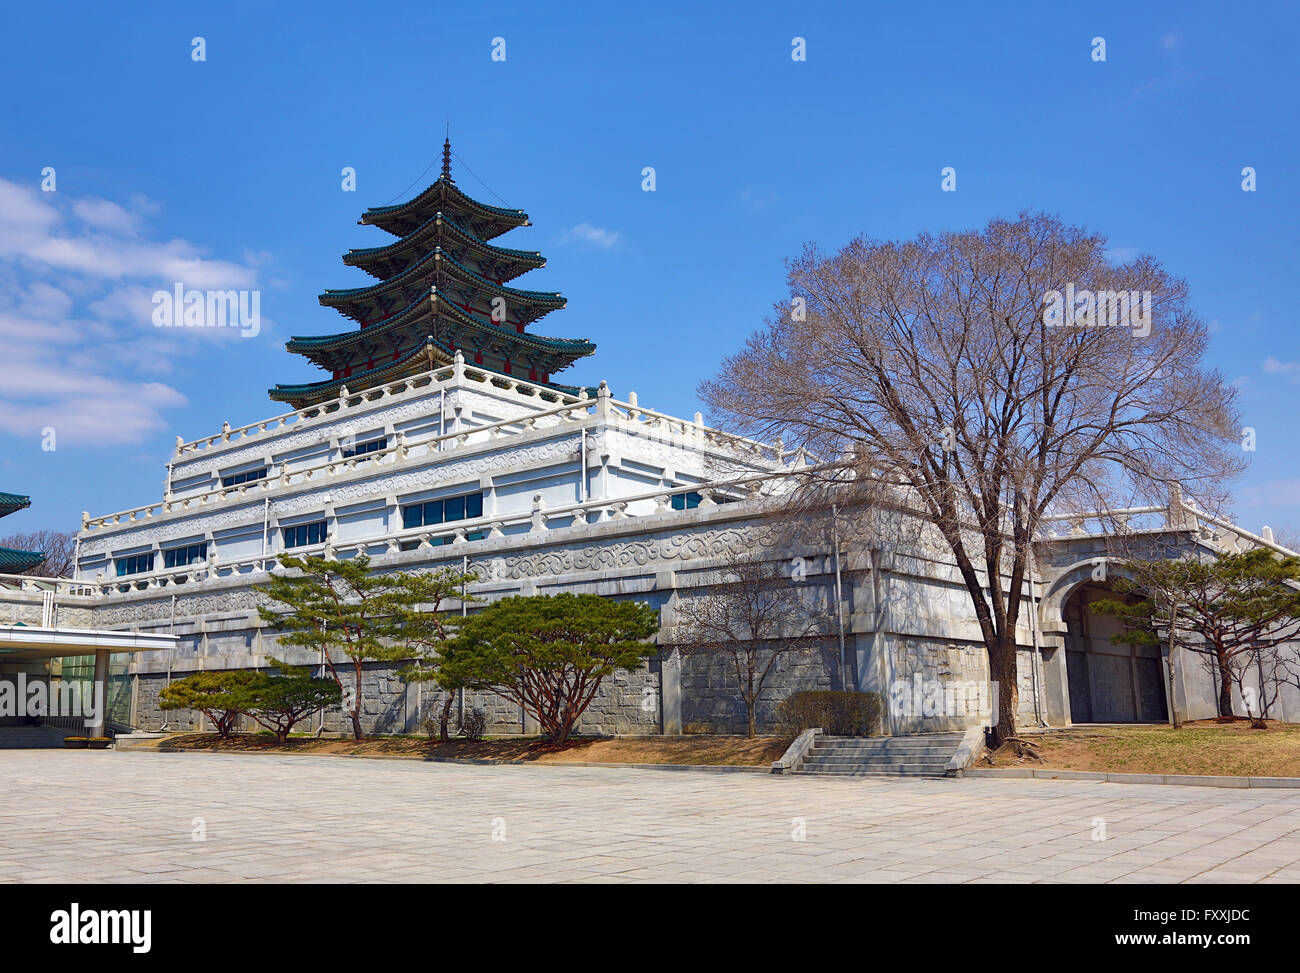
1201	747
710	750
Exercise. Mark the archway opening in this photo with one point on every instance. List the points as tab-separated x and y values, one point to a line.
1109	682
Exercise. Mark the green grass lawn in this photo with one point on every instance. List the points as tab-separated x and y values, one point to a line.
1202	748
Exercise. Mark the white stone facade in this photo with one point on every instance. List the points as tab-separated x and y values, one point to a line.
578	495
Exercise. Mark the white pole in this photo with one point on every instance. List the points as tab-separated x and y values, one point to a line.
1036	668
266	523
583	492
839	596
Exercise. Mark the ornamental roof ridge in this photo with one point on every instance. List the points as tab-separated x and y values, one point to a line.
442	217
436	254
440	186
410	314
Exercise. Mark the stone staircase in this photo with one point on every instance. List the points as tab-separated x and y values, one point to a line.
925	755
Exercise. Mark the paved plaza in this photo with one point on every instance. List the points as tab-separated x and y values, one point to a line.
69	816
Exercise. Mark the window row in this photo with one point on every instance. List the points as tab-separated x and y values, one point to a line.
178	557
465	507
247	477
686	501
134	564
360	449
302	535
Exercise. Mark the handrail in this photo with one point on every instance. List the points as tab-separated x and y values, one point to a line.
434	376
474	435
399	448
1240	531
39	583
609	509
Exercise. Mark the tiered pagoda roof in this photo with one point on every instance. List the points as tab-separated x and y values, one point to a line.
441	287
12	561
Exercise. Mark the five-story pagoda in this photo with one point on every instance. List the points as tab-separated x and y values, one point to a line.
442	288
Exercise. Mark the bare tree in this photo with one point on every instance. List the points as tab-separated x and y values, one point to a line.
57	546
757	617
947	366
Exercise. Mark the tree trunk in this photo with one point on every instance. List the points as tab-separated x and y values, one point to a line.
1002	670
1225	690
749	713
1173	700
356	723
1173	672
443	735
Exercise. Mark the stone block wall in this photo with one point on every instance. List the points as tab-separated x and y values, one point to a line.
388	706
711	697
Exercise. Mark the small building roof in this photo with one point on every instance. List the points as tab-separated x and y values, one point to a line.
28	643
9	502
12	561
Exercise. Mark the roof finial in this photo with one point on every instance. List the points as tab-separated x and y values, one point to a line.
446	159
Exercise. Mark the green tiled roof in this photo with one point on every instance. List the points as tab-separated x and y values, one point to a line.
11	560
546	298
9	502
284	393
417	310
526	256
362	380
449	188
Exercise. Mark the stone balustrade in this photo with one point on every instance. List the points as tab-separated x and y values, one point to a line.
39	583
538	519
446	375
1096	522
603	408
399	449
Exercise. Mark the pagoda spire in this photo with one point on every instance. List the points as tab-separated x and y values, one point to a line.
440	291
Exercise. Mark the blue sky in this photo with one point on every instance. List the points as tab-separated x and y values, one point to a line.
226	173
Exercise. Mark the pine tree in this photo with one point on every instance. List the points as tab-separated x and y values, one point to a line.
345	612
1230	610
550	653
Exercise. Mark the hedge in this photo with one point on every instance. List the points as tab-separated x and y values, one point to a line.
837	713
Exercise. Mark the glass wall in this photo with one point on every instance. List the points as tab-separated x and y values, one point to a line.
81	669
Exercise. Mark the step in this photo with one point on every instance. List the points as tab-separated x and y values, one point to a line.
891	747
875	764
919	755
868	773
914	758
926	739
884	751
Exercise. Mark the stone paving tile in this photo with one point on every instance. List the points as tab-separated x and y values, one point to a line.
130	817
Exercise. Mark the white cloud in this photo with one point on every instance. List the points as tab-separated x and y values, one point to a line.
104	214
595	235
1273	366
77	278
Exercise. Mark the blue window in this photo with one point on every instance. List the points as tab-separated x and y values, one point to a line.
360	449
237	478
686	501
304	534
135	564
178	557
465	507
